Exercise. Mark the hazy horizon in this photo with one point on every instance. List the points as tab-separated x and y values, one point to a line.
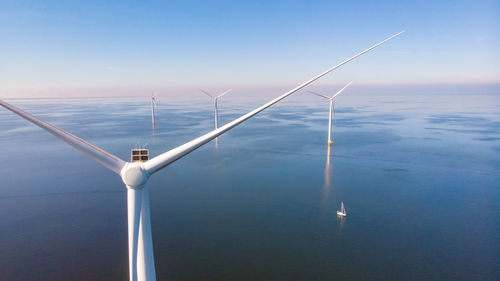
250	91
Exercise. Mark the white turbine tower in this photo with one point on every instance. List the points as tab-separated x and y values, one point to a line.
135	174
216	112
153	106
332	109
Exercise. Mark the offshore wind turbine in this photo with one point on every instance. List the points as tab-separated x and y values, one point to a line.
332	109
153	106
216	113
136	173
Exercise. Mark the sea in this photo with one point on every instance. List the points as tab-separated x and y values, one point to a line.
417	170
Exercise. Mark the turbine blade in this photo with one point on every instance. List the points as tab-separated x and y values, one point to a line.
134	204
157	163
341	90
106	159
206	93
223	94
334	119
319	95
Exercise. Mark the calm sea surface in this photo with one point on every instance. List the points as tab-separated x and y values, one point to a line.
419	176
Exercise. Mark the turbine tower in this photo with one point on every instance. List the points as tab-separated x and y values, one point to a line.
216	113
153	106
332	109
136	173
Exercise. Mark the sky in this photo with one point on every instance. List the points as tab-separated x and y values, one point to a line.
116	45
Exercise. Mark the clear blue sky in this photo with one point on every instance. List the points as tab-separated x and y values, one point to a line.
89	44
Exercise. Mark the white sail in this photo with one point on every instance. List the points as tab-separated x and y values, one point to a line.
342	210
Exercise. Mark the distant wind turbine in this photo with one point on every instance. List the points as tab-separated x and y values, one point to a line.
332	109
153	106
135	174
216	113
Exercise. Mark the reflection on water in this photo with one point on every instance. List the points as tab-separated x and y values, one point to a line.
155	139
327	185
265	209
217	157
341	222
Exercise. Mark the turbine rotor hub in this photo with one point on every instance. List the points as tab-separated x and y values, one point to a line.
134	176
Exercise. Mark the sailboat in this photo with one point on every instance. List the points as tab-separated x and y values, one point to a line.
342	212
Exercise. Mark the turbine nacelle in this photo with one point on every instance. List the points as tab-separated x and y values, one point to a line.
134	175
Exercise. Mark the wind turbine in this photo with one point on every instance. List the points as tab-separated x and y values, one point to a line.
135	174
153	106
332	109
216	113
